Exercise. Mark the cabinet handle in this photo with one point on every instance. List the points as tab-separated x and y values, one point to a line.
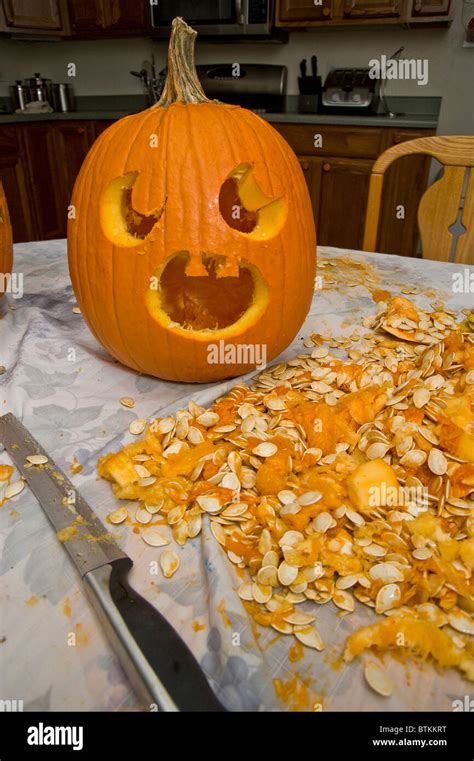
418	5
81	130
327	167
326	11
304	165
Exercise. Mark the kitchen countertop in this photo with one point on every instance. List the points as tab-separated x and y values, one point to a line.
412	112
73	409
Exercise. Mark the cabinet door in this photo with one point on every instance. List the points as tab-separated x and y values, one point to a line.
86	16
431	7
32	14
13	174
72	142
342	202
41	153
305	10
404	185
372	8
99	126
126	16
312	170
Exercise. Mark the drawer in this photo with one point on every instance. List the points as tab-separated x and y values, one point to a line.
8	138
321	140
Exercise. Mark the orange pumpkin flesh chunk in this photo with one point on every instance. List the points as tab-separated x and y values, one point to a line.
371	485
421	638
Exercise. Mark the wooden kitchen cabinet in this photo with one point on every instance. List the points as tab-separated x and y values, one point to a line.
305	10
94	18
337	162
42	160
372	8
429	8
32	14
342	202
294	14
13	175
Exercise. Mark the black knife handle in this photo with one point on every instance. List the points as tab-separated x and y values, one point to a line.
159	664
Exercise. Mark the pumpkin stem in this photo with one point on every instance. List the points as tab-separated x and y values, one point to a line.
182	83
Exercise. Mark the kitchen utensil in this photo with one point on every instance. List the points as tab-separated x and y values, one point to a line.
383	87
350	91
261	87
314	66
303	67
39	87
157	661
19	95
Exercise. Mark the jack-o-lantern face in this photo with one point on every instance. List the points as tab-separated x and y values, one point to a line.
6	242
193	226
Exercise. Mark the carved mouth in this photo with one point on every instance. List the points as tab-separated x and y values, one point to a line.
202	298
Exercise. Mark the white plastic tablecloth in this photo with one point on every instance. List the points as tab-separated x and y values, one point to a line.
66	390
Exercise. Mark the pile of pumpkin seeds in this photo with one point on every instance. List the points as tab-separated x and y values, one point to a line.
344	554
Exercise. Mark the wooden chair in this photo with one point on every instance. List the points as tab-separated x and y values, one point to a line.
439	206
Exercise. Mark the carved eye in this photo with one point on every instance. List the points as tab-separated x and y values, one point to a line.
246	209
121	223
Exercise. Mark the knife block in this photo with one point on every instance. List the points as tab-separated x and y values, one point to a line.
309	99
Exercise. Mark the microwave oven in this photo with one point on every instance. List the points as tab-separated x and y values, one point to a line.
234	19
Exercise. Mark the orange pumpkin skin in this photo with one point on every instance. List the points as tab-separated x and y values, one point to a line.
6	241
180	155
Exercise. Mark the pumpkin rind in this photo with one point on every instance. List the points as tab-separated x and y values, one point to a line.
6	241
199	144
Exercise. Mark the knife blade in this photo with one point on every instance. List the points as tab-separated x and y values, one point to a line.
158	663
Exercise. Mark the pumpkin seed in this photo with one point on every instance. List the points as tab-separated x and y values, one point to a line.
309	637
266	449
287	573
387	597
127	401
421	396
154	537
461	621
209	504
246	591
169	562
37	459
437	462
208	418
343	600
422	553
14	489
118	516
377	679
309	498
143	516
165	425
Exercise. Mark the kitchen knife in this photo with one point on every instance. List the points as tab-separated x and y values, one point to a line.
303	67
314	65
158	663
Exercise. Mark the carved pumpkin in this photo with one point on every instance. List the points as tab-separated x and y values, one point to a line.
6	241
193	230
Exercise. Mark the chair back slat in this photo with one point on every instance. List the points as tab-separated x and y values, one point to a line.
438	210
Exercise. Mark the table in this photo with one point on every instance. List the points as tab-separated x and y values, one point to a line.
66	390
